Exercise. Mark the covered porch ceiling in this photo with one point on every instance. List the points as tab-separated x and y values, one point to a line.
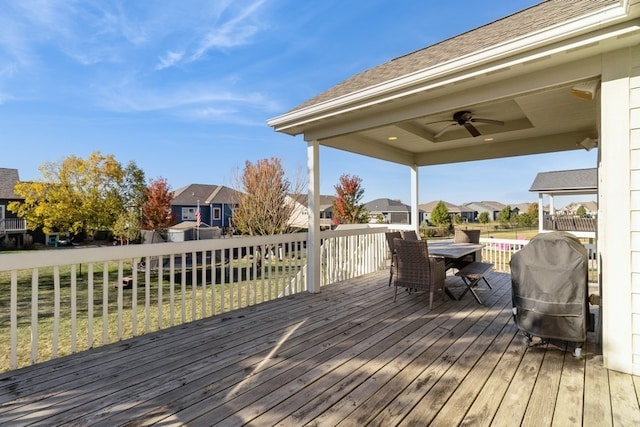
528	85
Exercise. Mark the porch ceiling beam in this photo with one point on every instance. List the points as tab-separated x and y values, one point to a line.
368	147
484	151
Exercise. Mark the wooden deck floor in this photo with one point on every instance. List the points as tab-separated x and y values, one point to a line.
348	356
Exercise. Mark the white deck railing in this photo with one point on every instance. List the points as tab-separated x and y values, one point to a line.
60	301
12	224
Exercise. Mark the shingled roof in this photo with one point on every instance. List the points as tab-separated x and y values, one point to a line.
520	24
8	180
576	180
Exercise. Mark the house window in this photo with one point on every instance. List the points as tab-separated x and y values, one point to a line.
188	214
217	213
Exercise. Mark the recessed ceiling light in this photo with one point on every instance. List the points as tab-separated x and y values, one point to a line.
392	138
488	139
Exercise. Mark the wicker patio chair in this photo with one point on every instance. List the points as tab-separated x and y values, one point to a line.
390	235
410	235
416	270
467	236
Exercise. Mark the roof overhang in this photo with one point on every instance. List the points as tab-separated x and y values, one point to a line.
525	82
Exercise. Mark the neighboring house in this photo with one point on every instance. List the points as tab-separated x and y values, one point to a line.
391	211
591	208
467	214
491	208
300	215
12	228
216	204
557	76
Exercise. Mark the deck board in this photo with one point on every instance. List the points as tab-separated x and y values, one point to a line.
347	356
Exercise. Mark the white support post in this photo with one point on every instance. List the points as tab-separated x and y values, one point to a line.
618	203
415	220
313	237
540	213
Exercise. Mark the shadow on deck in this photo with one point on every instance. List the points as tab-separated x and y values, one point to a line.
348	356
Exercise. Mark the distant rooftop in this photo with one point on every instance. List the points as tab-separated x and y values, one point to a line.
576	181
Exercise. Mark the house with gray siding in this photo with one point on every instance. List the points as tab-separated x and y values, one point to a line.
215	203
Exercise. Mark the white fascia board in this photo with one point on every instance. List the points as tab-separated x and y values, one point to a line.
551	35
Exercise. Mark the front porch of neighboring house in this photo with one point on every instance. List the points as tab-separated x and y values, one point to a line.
13	231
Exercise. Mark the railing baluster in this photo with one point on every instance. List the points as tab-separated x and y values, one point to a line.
56	311
105	303
160	284
172	292
194	286
120	299
74	311
90	305
34	315
147	295
14	318
134	296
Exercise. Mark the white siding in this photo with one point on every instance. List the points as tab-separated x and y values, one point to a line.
634	118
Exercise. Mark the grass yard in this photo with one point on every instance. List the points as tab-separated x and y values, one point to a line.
159	305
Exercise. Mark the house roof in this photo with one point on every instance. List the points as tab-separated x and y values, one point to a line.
8	180
452	208
206	194
521	71
490	206
303	198
576	181
386	205
529	20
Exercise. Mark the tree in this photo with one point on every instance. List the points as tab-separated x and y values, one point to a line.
78	195
483	217
347	207
127	227
264	205
440	214
156	210
581	211
504	217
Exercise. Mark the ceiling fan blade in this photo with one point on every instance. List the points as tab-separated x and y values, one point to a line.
489	121
472	130
443	131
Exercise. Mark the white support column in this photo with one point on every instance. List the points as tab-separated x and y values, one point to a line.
313	236
415	220
615	210
540	212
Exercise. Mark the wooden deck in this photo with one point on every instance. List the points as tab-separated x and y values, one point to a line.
348	356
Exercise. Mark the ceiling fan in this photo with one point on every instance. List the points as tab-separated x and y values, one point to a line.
466	119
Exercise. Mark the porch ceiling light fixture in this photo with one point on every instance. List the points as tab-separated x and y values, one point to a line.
392	138
588	143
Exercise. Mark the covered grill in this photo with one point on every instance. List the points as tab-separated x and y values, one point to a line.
549	279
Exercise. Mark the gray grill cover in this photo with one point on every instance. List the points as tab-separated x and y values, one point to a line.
549	285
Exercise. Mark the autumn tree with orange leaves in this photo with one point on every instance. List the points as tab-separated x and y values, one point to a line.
156	211
347	208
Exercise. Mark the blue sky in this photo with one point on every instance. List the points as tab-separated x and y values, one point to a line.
184	88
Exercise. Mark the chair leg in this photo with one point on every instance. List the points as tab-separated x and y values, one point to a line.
395	292
430	299
390	275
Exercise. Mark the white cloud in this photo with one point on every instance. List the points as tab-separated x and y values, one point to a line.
169	59
235	32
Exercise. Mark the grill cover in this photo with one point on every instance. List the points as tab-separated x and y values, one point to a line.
550	288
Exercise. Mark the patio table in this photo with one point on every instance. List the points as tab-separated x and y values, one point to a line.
451	252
